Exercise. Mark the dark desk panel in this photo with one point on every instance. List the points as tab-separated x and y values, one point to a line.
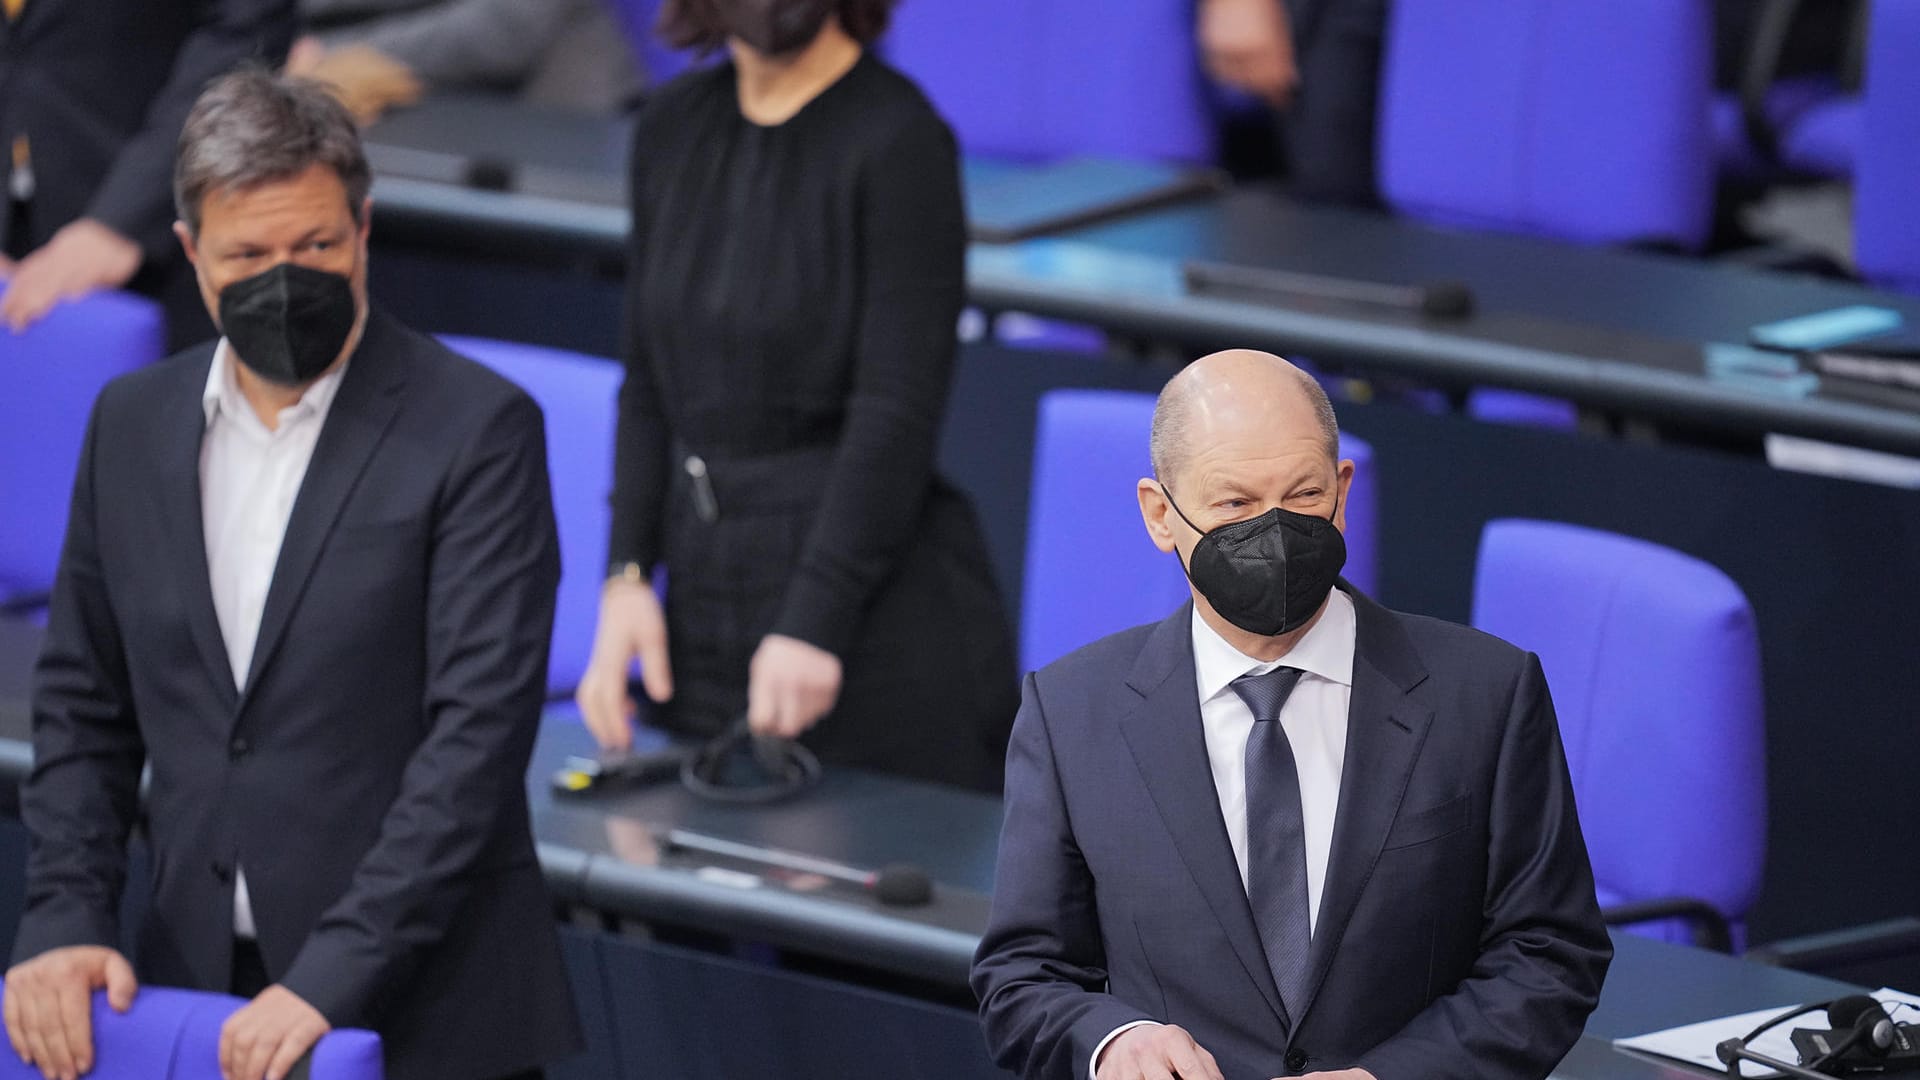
19	649
600	851
1616	331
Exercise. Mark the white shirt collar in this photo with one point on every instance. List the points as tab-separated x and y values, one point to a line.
1326	650
222	392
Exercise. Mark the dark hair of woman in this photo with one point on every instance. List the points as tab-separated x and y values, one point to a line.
696	24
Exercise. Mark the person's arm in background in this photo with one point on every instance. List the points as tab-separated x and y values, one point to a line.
130	219
79	804
1248	45
383	60
913	240
632	624
1545	950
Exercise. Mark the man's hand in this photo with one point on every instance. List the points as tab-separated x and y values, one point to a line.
1248	45
83	256
790	686
631	626
367	81
1155	1052
268	1035
49	1008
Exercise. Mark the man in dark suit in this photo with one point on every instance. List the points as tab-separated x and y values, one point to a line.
92	94
309	581
1285	830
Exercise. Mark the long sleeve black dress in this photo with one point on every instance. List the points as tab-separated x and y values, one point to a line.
792	299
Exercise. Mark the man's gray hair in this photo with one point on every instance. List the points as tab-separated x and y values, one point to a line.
252	127
1173	421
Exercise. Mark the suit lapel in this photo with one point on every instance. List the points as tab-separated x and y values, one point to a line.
1385	729
1164	733
183	426
362	409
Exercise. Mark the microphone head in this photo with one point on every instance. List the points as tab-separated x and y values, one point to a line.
1446	300
1728	1051
902	885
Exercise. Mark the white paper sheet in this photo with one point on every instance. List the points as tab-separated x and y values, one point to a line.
1694	1043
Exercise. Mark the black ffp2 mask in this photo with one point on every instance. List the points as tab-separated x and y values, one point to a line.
1266	575
775	27
288	323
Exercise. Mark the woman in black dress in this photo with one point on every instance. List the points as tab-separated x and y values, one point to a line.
797	270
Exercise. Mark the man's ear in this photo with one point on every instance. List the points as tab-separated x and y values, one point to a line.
366	223
1155	512
185	236
1345	487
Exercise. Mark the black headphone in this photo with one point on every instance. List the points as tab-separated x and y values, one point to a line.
1865	1021
789	767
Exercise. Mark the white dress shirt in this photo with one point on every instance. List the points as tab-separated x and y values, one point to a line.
249	477
1315	720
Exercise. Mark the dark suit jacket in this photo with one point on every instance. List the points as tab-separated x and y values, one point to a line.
102	87
1328	128
370	775
1458	933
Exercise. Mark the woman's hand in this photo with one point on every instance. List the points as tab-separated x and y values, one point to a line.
632	627
790	686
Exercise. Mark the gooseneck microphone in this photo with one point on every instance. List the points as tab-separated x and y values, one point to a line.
1438	300
896	885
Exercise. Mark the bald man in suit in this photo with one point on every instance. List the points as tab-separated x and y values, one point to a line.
1285	830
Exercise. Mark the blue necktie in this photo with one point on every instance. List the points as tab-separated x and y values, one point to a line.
1276	837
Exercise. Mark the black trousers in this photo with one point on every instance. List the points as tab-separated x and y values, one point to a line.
249	977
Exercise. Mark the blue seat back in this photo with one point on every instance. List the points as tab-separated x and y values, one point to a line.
172	1034
49	378
1653	660
1042	79
1091	569
579	396
1581	120
1886	193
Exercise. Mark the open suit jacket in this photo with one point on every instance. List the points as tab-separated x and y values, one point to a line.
370	774
101	88
1458	934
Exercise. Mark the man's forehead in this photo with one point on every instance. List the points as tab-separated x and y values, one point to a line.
1252	460
318	189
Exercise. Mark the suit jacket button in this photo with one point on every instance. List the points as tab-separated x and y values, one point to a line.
1296	1060
222	872
237	749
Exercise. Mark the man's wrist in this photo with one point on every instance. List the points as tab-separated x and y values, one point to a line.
1093	1063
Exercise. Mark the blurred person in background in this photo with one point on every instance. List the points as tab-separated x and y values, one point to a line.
92	96
1316	65
382	54
797	269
